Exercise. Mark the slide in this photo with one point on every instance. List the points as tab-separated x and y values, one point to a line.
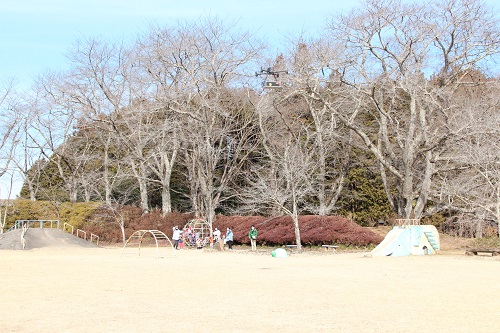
405	241
392	243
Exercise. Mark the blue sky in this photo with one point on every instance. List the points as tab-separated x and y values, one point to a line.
35	35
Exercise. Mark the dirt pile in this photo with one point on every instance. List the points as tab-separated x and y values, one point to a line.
11	240
38	238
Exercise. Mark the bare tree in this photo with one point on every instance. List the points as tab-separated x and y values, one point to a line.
106	87
330	139
29	161
55	124
10	116
168	72
197	64
218	148
384	55
135	128
282	178
117	216
469	183
5	204
26	154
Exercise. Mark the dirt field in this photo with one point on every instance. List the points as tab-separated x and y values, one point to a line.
75	289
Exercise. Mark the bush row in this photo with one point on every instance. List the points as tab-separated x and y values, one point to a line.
98	219
315	230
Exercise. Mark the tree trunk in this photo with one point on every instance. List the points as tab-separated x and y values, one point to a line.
297	233
425	187
143	188
140	175
497	209
73	190
107	183
31	190
122	228
295	218
166	205
479	229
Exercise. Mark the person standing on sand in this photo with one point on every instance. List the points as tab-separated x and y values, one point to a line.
229	238
252	234
176	236
216	235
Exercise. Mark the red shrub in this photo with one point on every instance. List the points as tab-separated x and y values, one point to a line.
314	230
104	224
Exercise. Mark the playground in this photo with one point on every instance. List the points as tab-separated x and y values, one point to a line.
70	288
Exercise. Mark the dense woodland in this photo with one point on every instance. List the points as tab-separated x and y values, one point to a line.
391	112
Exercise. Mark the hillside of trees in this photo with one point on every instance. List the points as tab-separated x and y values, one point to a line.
392	112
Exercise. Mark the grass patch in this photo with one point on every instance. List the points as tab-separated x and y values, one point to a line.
486	243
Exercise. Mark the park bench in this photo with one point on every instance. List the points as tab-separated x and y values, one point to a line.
328	247
292	246
493	252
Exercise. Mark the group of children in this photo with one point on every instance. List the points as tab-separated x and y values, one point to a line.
192	238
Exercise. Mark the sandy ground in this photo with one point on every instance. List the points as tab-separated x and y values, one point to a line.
73	289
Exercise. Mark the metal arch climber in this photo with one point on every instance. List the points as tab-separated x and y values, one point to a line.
138	237
197	229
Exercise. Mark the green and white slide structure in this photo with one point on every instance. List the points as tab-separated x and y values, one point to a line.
408	240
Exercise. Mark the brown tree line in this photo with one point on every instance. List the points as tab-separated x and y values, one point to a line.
410	87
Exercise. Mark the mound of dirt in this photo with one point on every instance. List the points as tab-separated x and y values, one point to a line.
11	240
38	238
